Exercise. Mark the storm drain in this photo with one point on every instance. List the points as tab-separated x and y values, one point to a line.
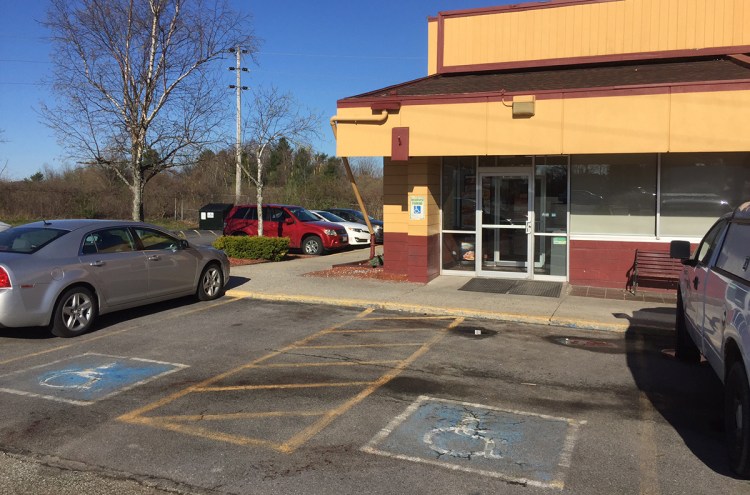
515	287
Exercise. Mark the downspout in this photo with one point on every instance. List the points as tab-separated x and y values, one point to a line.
379	119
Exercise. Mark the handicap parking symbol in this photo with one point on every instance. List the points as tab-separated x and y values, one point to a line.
521	447
85	379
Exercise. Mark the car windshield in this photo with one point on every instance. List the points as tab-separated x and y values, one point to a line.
27	239
330	216
303	215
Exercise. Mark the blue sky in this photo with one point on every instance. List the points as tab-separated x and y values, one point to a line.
318	51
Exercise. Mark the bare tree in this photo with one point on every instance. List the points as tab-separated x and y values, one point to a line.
135	82
273	116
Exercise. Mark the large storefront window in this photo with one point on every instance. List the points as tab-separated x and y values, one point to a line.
613	194
459	213
697	188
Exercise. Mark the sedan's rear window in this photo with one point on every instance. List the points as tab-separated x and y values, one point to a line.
27	239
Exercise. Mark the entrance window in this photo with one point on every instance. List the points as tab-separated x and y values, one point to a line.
459	193
613	194
697	188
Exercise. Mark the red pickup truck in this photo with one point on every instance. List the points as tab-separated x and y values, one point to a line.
304	230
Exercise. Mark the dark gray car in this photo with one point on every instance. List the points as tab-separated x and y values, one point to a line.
64	273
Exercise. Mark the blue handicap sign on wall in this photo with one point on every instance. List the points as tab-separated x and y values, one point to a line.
85	379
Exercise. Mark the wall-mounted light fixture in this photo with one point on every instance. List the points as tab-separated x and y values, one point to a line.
523	106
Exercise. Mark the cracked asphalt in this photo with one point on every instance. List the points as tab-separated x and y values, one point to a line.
271	397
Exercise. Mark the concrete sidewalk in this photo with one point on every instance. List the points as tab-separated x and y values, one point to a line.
286	281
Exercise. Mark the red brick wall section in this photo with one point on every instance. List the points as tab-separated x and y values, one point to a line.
608	263
418	257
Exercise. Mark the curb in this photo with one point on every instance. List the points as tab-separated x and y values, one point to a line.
426	309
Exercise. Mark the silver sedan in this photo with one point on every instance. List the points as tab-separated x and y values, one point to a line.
64	273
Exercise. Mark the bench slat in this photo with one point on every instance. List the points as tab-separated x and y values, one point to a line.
655	265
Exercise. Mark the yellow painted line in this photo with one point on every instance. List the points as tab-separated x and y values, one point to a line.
647	450
283	386
208	434
354	346
327	363
136	415
236	416
296	441
389	330
97	336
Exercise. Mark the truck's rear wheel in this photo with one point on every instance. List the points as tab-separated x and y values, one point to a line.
737	418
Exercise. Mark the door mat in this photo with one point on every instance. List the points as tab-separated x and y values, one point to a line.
515	287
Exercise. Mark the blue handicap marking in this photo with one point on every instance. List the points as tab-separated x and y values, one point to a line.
85	379
521	447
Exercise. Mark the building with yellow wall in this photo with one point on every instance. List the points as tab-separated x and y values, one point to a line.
551	140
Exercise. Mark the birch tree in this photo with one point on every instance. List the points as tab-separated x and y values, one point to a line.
274	115
135	82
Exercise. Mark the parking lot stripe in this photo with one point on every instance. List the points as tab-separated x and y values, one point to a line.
281	386
230	416
186	423
295	442
355	346
386	330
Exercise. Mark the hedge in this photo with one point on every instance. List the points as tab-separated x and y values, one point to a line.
253	248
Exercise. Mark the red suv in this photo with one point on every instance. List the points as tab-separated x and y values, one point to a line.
304	230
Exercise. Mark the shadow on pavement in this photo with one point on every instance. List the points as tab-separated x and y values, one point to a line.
689	397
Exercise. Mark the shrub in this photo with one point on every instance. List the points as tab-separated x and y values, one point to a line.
253	248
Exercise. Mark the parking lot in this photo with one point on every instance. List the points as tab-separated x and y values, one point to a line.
243	396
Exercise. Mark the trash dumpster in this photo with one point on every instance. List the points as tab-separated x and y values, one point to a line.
212	216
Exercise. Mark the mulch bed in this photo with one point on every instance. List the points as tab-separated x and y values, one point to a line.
359	270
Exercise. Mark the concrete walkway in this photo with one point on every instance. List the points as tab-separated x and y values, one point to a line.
287	281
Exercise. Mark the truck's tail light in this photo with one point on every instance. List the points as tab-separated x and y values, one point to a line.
4	279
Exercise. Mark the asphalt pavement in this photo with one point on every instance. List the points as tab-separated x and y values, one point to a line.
290	281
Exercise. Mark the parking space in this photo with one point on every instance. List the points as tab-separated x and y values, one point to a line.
244	396
332	370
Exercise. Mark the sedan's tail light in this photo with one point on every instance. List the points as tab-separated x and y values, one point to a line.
4	279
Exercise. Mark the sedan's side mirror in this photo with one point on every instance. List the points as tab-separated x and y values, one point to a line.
183	244
288	221
679	250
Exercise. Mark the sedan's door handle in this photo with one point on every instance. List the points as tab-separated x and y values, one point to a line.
97	263
154	257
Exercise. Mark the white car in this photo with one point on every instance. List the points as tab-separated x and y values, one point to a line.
713	319
358	233
4	226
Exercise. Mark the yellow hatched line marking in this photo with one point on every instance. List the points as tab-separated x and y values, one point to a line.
321	364
283	386
235	416
351	346
388	330
136	416
296	441
376	318
172	423
197	431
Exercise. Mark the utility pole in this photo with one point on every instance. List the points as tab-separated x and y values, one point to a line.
239	87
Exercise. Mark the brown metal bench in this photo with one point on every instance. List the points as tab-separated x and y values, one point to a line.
655	266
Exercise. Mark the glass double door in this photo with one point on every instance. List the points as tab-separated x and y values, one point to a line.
505	225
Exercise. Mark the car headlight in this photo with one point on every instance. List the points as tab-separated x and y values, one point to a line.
330	232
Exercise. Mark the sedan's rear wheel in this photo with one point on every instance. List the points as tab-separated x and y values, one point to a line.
737	419
312	245
74	313
211	283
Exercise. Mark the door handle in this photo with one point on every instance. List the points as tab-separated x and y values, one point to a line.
528	227
154	257
96	263
695	283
